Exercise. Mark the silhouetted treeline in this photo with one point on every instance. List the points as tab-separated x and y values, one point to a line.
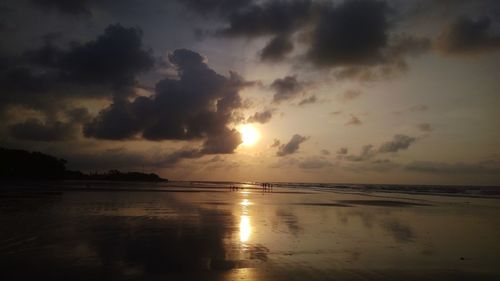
21	164
114	175
16	164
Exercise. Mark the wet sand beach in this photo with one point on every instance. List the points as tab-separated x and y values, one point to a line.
209	231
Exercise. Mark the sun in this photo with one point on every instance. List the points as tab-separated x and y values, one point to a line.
249	135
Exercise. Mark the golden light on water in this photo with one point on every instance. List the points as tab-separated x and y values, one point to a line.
245	228
245	202
249	135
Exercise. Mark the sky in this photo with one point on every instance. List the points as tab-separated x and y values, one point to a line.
352	91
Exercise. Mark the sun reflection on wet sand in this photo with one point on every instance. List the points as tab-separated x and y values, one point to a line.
245	203
242	274
245	226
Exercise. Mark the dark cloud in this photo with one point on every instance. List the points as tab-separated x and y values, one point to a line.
392	62
429	10
309	100
286	88
466	36
355	38
72	7
268	18
292	146
398	142
424	127
276	49
198	105
354	121
488	167
21	86
44	78
118	121
250	19
402	45
115	57
325	152
36	130
216	7
224	142
261	117
351	33
78	115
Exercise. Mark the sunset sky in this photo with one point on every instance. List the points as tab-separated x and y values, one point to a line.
321	91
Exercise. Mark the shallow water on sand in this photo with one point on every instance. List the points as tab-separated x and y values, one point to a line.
132	232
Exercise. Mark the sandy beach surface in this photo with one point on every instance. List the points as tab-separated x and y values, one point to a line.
207	231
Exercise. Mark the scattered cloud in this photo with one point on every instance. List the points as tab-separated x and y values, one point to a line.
398	142
286	88
276	143
261	117
367	152
310	100
355	121
292	146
